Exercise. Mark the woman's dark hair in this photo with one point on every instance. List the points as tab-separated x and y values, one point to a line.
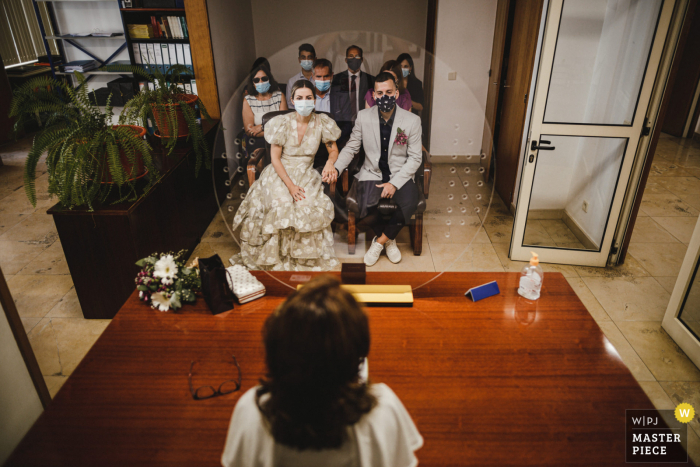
302	83
394	67
409	59
314	343
260	61
251	85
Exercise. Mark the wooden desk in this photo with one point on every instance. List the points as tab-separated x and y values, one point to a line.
483	386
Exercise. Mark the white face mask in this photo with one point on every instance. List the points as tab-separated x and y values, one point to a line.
304	107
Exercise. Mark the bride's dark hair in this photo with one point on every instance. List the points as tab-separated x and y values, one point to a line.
314	343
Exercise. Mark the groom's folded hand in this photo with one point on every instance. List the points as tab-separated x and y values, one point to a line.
388	190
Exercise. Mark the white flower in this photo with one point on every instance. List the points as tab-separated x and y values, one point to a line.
160	302
166	269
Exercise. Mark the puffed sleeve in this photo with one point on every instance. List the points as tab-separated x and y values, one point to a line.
277	130
329	129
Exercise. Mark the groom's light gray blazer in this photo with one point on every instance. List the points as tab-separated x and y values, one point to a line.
404	160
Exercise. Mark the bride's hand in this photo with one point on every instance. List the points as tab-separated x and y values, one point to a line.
329	174
297	192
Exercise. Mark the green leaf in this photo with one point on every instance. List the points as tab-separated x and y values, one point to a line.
142	288
141	263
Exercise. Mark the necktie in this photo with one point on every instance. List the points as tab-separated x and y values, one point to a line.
353	97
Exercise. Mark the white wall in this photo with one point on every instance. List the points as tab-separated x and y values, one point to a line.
332	26
464	41
73	17
20	405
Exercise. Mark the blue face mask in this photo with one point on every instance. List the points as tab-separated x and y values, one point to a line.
323	86
262	87
406	72
307	64
304	107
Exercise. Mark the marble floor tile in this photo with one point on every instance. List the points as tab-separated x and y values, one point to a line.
220	229
663	357
499	228
9	220
37	229
680	186
454	229
667	282
45	347
224	249
666	205
461	257
692	200
559	231
536	234
654	188
648	230
15	255
660	259
54	383
630	268
684	391
663	168
517	266
680	227
630	298
627	354
36	294
50	261
67	307
588	299
693	446
657	395
29	323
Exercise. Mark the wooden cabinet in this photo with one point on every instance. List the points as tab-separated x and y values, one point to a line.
102	246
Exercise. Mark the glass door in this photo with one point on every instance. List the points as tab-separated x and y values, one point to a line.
598	63
682	318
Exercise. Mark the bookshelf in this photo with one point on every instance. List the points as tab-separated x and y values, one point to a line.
199	40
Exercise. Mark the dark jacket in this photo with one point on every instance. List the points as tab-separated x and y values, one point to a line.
342	83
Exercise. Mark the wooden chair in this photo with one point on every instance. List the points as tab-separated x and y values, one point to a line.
387	206
261	158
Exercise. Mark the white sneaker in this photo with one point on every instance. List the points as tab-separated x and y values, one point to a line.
372	255
392	251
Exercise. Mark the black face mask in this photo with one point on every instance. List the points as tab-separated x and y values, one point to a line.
354	63
386	103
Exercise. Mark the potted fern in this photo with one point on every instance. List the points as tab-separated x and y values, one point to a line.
88	158
172	110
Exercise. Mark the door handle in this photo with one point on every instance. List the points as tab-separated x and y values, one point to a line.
534	146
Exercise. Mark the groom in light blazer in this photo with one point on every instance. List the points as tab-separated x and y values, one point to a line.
391	138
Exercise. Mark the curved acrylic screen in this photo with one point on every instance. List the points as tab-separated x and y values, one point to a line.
447	206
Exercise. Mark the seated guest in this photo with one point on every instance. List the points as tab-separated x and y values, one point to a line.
330	99
258	62
410	82
354	82
307	56
391	162
313	408
264	97
404	100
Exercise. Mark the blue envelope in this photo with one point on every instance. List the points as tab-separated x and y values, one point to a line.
483	291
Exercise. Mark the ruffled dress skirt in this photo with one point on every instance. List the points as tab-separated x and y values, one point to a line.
278	234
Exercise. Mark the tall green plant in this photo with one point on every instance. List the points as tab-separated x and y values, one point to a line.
82	146
163	98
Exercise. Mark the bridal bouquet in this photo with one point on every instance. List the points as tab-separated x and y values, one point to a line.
165	282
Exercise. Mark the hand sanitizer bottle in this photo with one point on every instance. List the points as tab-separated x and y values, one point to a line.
531	279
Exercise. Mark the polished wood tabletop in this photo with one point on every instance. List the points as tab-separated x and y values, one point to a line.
503	381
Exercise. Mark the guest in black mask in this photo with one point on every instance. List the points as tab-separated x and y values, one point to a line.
354	81
391	138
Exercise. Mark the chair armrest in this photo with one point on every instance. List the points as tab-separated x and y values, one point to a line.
345	178
253	162
427	172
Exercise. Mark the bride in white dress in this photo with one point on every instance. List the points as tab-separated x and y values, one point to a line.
285	218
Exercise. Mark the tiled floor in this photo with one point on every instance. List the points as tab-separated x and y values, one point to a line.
628	301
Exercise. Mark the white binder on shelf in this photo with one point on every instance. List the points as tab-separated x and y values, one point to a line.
180	54
188	57
152	56
144	57
137	54
166	56
159	57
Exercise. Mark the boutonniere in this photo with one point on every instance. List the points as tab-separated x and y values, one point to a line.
401	137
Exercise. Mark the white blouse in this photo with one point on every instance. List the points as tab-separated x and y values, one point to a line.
384	437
